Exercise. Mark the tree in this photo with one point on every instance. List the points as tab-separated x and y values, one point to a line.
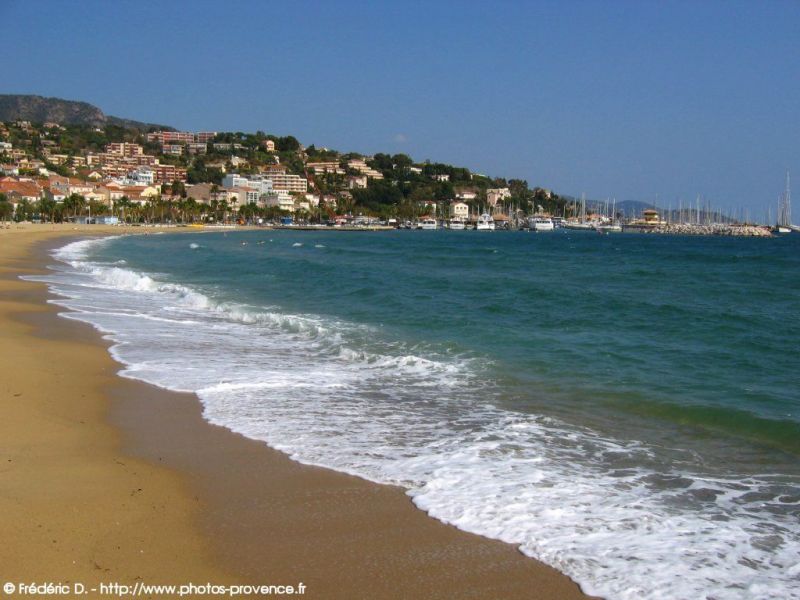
178	189
288	143
6	208
74	203
122	205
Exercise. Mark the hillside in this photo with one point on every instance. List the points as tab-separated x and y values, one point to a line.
38	109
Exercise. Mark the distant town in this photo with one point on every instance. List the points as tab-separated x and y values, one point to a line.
53	172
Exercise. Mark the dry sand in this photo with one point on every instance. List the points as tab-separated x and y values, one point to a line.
103	479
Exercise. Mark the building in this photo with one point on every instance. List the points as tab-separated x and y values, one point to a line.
495	195
459	210
289	183
258	182
442	177
466	194
141	176
172	149
57	159
138	194
357	182
169	173
124	149
197	148
171	137
180	137
280	199
320	168
20	189
207	192
269	145
67	186
362	167
241	195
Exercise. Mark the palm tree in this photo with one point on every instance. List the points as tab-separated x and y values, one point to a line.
122	204
75	203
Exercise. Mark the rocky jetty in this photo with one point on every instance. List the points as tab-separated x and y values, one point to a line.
715	229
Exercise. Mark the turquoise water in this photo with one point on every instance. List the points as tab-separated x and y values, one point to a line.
624	407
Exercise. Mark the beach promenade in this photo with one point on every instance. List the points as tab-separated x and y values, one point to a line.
110	481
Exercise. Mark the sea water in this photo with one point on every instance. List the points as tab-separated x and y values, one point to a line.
624	408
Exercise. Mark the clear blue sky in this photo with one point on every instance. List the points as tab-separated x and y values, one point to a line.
630	99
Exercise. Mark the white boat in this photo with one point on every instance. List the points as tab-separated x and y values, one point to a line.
608	228
485	223
427	224
577	225
540	224
456	223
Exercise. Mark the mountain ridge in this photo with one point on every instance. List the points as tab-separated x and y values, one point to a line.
41	109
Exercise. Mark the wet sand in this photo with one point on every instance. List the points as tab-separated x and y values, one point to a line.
108	479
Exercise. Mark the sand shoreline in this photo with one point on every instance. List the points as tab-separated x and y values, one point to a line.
232	508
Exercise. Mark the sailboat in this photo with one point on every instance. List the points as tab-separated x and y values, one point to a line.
784	224
581	224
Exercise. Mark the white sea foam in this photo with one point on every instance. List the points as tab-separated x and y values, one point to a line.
606	512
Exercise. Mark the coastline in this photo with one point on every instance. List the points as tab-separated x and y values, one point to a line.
234	509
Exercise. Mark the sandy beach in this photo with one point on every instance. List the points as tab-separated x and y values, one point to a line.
110	480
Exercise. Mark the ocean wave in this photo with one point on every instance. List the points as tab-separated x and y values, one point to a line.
611	514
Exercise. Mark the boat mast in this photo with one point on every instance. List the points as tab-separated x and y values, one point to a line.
583	207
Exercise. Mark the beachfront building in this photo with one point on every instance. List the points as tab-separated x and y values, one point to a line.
206	193
138	194
259	183
21	189
281	199
459	209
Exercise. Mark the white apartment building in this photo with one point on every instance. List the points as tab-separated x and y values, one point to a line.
258	182
289	183
280	198
143	176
